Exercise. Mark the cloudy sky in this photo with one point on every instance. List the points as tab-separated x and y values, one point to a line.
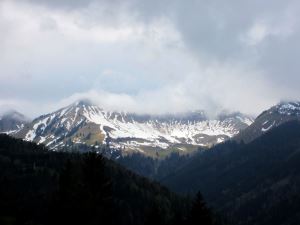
153	56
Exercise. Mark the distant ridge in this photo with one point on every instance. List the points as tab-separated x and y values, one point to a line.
269	119
12	121
85	123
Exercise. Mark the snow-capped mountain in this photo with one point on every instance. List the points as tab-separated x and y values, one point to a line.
273	117
85	123
12	121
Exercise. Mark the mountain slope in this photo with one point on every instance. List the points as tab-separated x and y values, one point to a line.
45	187
273	117
12	121
85	123
255	183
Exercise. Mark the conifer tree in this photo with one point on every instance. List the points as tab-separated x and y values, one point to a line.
200	214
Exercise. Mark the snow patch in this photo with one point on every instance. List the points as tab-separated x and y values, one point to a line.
127	130
265	122
268	128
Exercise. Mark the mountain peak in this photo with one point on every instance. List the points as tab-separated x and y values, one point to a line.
12	121
288	108
13	114
83	102
85	123
273	117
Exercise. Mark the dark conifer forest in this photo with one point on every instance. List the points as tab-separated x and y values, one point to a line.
255	183
45	187
232	183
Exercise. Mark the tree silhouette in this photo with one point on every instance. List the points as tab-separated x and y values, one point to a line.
200	214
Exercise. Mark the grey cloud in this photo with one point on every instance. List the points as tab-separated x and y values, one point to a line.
215	63
62	4
212	30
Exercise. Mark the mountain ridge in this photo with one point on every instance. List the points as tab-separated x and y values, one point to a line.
12	121
273	117
254	183
85	123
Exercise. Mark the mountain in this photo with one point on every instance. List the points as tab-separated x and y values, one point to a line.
85	123
269	119
12	121
255	183
45	187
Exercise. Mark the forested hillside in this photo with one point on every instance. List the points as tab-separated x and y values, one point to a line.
154	168
255	183
43	187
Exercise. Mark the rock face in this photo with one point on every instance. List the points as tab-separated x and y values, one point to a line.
85	123
269	119
12	121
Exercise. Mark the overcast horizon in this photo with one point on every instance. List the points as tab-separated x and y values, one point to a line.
153	57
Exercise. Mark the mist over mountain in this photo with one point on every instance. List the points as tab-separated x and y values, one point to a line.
149	56
12	121
269	119
125	96
85	123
